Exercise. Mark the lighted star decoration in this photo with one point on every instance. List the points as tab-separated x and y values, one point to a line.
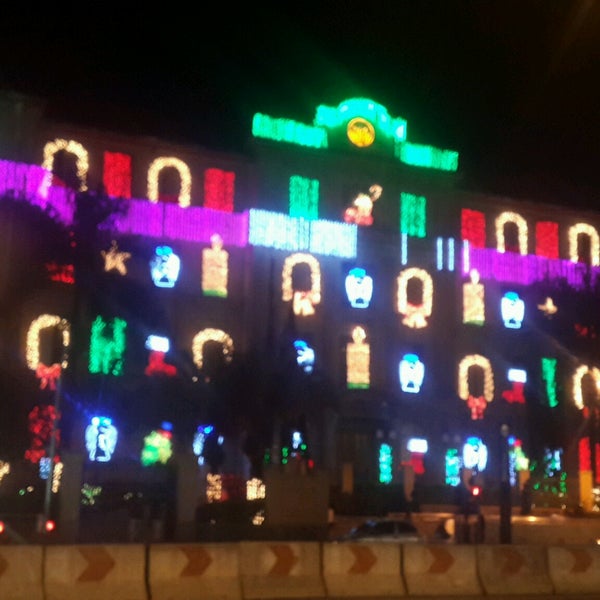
548	308
114	259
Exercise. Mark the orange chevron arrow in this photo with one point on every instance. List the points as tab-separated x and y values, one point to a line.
286	559
582	560
100	562
443	560
513	561
198	561
3	565
364	559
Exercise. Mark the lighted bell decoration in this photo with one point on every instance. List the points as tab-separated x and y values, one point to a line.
164	267
305	356
411	371
513	310
475	454
359	288
100	439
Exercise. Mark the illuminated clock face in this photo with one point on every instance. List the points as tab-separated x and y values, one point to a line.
360	132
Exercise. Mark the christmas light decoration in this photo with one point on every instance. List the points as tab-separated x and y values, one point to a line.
255	489
475	454
518	378
429	157
214	487
549	379
304	197
472	228
450	254
114	259
215	269
305	356
117	174
359	288
418	448
164	162
202	431
211	335
415	315
158	447
107	346
511	217
453	465
164	267
358	360
403	249
474	300
286	130
72	147
158	346
219	189
61	273
546	239
476	403
385	464
42	421
581	372
303	300
548	307
513	310
413	215
100	439
360	212
411	372
588	230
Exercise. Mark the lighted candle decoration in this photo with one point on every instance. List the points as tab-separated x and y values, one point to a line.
358	360
411	372
473	300
164	267
513	310
359	288
215	268
305	356
101	439
415	315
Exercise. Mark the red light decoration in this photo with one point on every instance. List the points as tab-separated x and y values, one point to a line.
473	227
585	455
117	174
158	366
61	273
41	420
546	239
219	188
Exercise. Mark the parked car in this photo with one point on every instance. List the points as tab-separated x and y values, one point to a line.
383	530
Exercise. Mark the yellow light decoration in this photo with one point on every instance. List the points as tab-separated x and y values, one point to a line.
255	489
580	372
214	335
473	300
82	163
47	374
415	314
215	268
584	229
475	403
114	259
358	359
184	173
519	221
548	308
4	469
214	488
303	301
56	477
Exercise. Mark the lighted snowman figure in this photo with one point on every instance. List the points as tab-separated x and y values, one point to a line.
513	310
164	267
359	288
412	372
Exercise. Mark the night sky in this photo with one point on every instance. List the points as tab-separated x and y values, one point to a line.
514	86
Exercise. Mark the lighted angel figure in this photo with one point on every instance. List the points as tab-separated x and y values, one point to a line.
100	439
360	212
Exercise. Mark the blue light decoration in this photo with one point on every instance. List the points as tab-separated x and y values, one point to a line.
44	466
359	288
513	310
100	439
453	463
475	454
552	462
411	372
385	464
202	432
305	356
164	267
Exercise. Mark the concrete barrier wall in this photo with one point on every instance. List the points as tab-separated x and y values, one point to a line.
575	569
21	572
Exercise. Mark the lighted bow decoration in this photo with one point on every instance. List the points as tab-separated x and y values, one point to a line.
477	406
48	375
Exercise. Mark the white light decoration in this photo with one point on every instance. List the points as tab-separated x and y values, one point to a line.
475	454
255	489
305	356
359	288
415	315
82	162
114	259
214	335
184	173
358	360
418	445
164	267
513	310
584	229
303	301
473	300
580	372
411	372
476	404
100	439
519	221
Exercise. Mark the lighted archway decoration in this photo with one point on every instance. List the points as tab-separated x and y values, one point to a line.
476	404
213	335
184	172
589	230
415	315
47	374
577	379
303	302
82	163
511	217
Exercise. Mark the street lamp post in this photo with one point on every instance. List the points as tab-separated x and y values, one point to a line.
505	496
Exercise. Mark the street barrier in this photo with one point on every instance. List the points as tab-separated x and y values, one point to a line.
575	569
510	569
368	570
440	569
95	572
281	570
189	571
21	569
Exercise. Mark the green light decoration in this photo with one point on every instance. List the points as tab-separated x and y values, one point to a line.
429	157
158	448
413	215
286	130
549	378
331	117
106	352
304	197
